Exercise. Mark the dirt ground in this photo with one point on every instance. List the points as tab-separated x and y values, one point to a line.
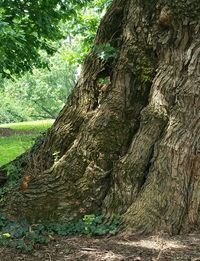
112	249
5	132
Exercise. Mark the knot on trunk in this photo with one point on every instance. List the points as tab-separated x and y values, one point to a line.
165	18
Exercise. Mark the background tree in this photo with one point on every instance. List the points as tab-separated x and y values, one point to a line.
127	140
29	26
42	92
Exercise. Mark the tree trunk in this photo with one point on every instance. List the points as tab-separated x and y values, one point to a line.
127	141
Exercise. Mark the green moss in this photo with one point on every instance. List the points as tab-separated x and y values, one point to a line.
145	70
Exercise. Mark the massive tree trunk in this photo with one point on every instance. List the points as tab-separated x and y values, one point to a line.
127	141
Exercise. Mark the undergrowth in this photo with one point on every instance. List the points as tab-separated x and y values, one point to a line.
22	236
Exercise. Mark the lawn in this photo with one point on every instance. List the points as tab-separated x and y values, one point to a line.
12	146
41	125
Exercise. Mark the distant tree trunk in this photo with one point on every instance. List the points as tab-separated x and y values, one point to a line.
127	140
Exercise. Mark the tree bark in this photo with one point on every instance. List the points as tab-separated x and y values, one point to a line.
129	146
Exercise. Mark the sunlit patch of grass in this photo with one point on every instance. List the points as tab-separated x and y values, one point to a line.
41	125
14	145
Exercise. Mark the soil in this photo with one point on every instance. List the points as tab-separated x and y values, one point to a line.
155	248
5	132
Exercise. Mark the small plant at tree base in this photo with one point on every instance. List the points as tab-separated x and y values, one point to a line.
94	225
24	237
12	172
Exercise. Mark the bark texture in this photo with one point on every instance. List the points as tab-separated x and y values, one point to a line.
128	144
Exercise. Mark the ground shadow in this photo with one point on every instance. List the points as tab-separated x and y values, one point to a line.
112	249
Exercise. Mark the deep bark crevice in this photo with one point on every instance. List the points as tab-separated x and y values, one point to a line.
146	171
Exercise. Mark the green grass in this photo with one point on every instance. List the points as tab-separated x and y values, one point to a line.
13	146
29	125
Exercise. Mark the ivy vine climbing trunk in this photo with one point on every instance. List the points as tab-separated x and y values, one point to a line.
127	141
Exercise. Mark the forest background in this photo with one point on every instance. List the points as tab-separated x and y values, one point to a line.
35	86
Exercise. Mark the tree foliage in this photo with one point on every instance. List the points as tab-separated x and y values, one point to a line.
37	95
42	92
27	26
